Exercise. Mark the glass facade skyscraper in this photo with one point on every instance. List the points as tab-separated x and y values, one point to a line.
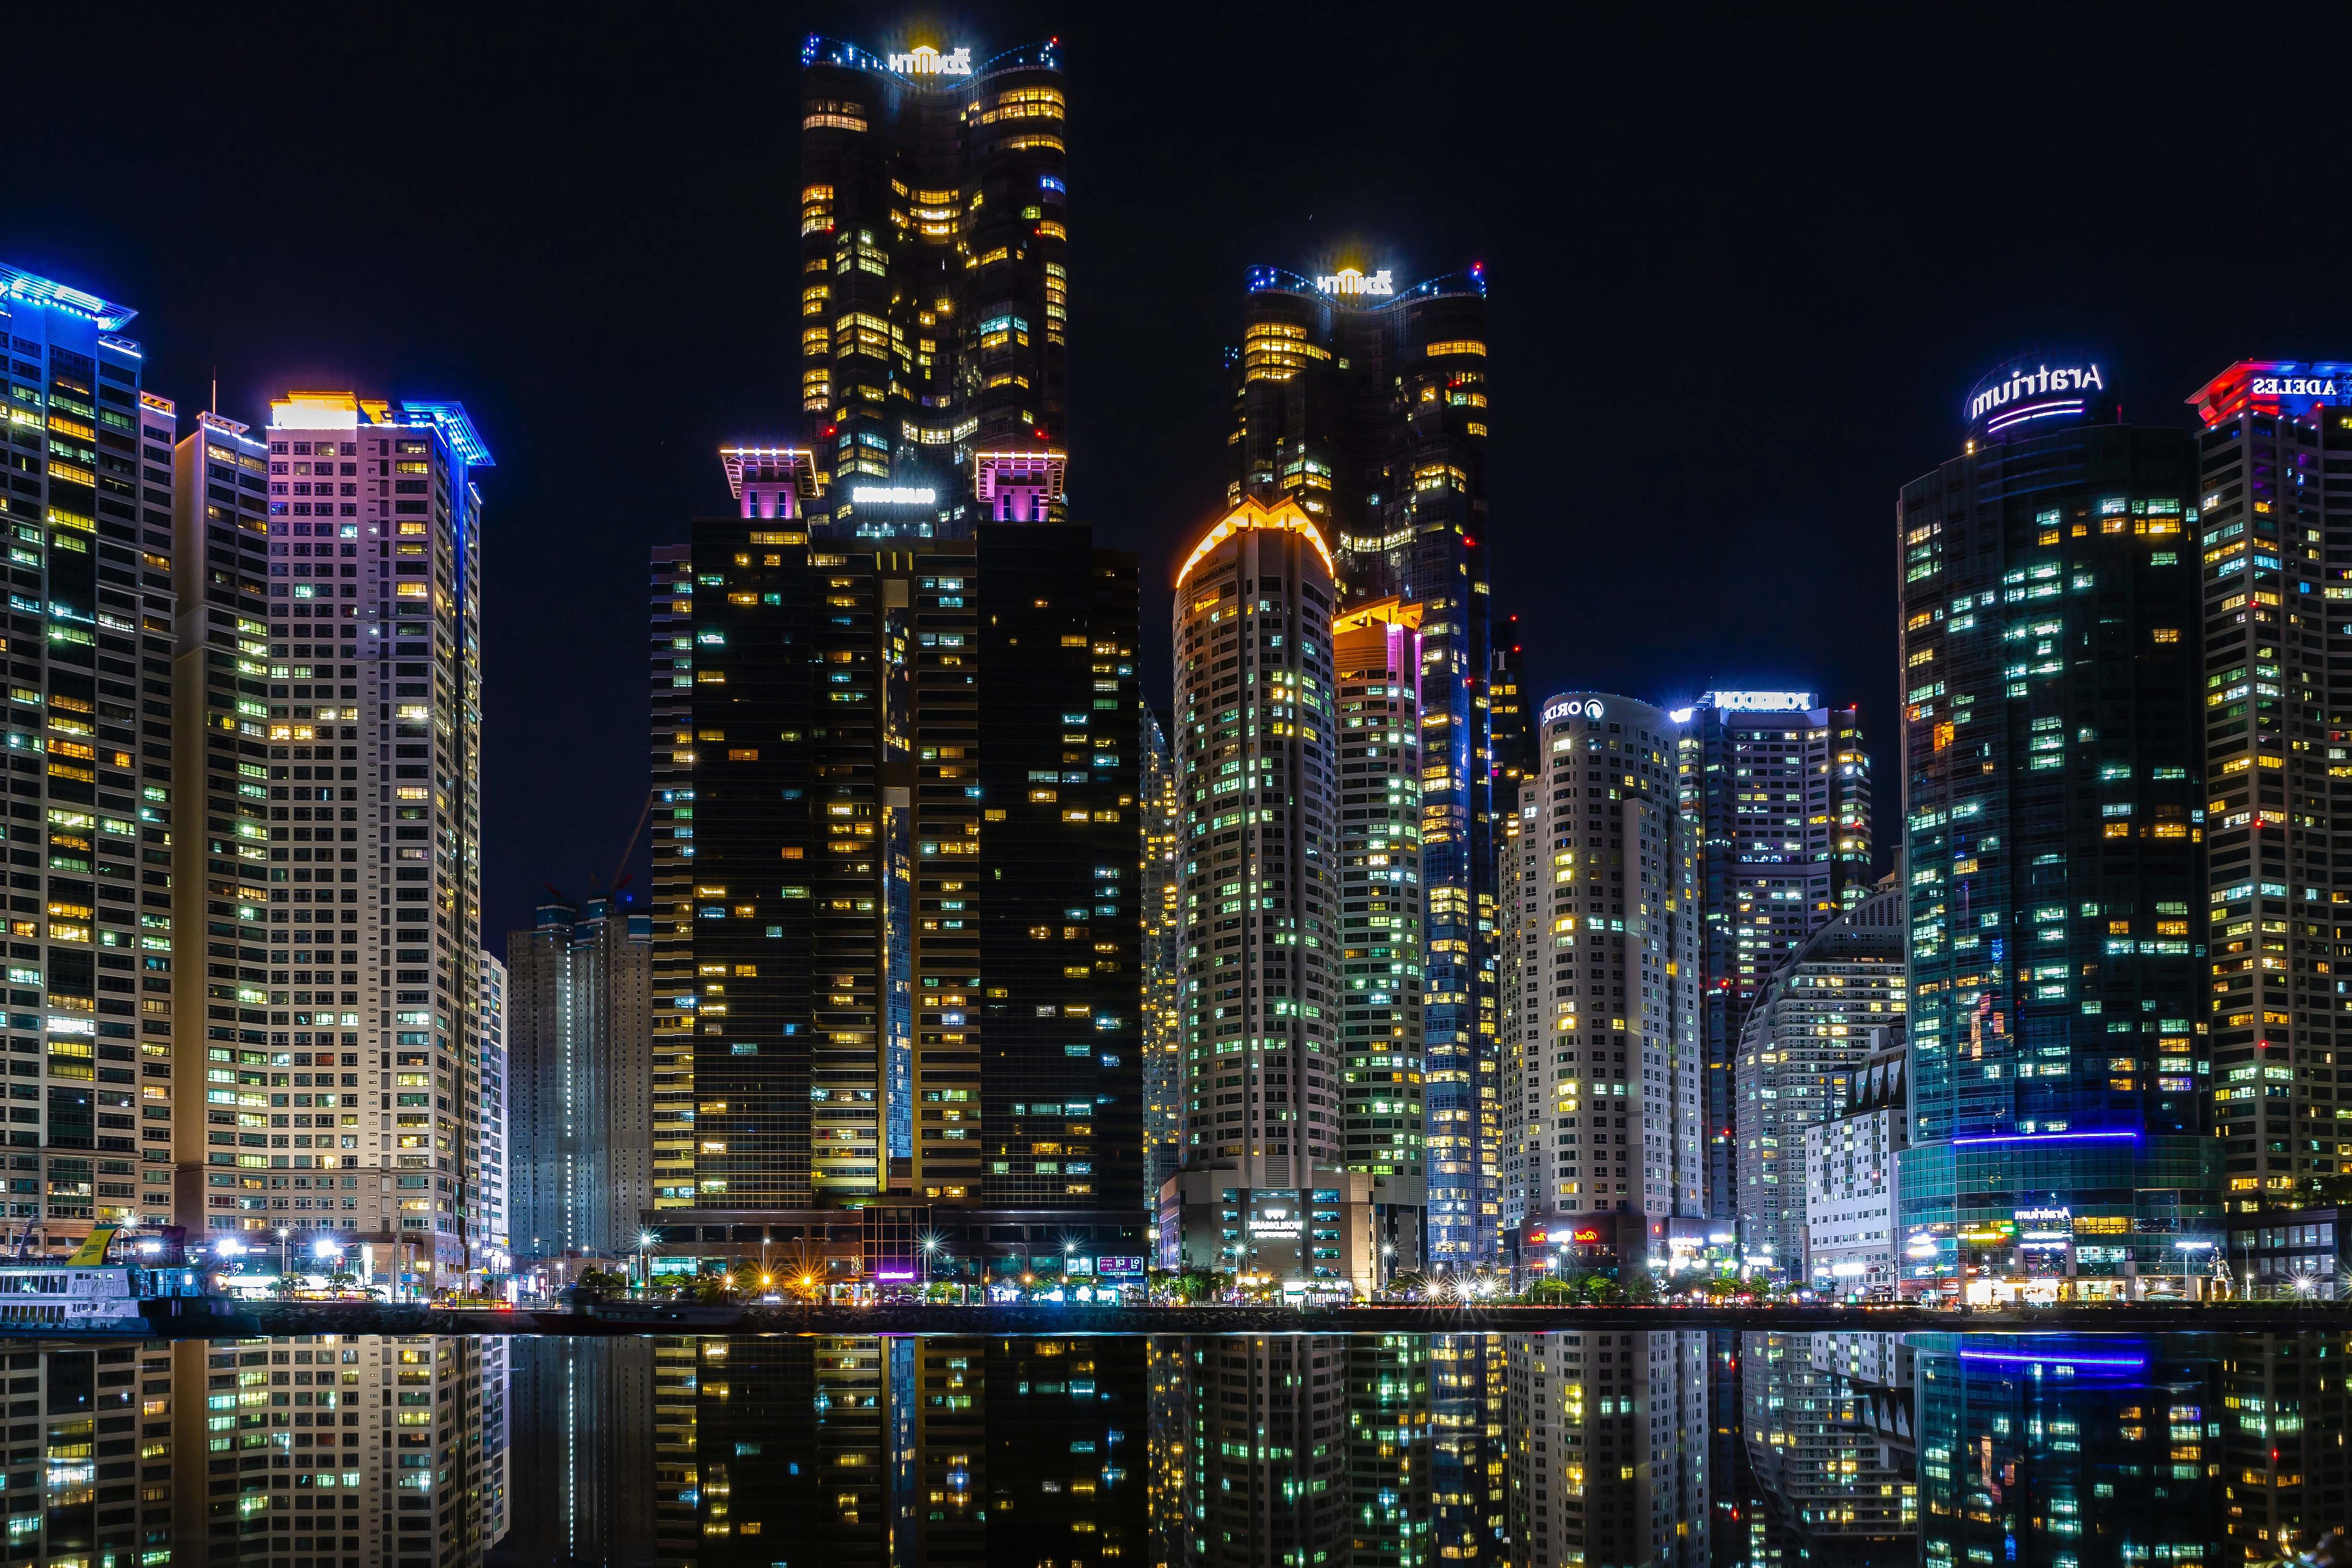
2054	853
579	1073
1365	405
1779	790
901	857
933	288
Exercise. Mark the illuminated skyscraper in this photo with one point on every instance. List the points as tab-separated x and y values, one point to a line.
1164	964
579	1029
89	644
669	820
493	1107
1781	792
1603	1112
1257	742
374	718
2054	819
2273	522
221	875
1375	660
1514	722
930	1020
933	288
1365	405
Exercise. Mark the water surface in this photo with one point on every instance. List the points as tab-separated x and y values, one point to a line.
1122	1451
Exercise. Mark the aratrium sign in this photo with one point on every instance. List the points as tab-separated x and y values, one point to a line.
2041	382
1349	280
923	60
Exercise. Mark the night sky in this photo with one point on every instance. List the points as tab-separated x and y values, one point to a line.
1742	269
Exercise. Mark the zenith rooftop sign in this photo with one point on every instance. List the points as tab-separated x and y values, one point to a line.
925	61
1349	280
2040	382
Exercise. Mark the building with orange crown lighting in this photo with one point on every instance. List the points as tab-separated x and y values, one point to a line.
1262	1188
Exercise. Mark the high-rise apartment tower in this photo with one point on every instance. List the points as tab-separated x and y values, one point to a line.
90	810
1603	1118
1365	406
374	694
2274	526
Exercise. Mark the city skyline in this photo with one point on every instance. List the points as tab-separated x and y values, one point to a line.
1837	361
924	425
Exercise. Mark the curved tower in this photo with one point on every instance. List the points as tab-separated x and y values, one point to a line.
2053	759
1255	761
1602	1112
1266	1185
933	271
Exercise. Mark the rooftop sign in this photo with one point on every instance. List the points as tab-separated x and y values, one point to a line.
2290	387
1349	281
2018	394
923	60
1758	702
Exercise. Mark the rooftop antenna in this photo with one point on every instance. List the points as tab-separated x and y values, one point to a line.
214	406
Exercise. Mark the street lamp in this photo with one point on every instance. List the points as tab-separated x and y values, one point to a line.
284	1234
645	1241
930	1245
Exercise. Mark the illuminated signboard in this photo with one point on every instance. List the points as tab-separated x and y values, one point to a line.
892	495
1588	1236
1758	702
1108	1265
1581	708
1274	1222
2017	395
2292	387
1349	280
1537	1236
923	60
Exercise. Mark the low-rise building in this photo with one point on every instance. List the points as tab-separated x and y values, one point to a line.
1850	1178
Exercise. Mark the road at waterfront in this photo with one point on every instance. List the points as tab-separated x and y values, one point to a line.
287	1318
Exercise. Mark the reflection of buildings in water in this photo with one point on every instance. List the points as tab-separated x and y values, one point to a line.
1608	1463
366	1450
1467	1421
1832	1490
1350	1451
868	1449
2283	1464
1265	1446
2089	1451
580	1473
